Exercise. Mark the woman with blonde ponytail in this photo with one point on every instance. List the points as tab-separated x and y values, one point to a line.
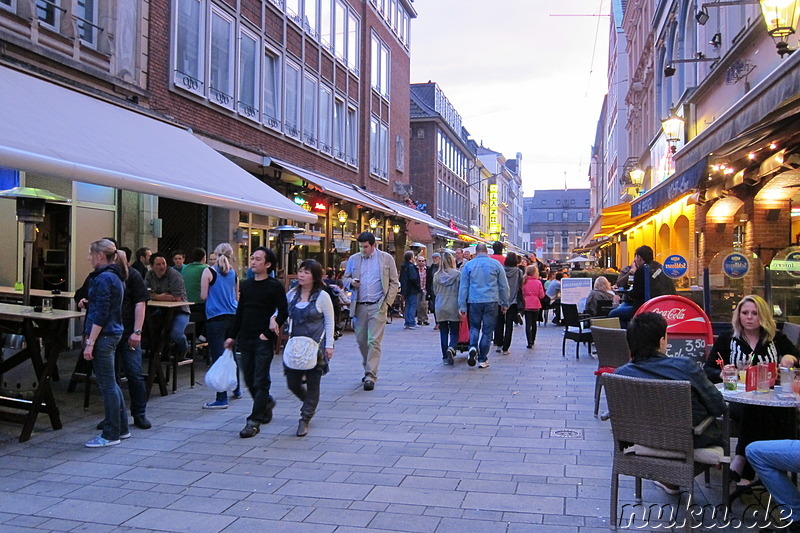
103	329
219	288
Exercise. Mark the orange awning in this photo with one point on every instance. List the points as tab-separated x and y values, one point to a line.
614	219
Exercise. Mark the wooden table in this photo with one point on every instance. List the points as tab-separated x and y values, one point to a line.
49	327
158	342
39	293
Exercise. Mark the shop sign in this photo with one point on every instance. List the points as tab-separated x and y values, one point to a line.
790	265
675	266
735	265
669	190
494	221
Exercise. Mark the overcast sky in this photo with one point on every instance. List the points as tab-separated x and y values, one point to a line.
521	79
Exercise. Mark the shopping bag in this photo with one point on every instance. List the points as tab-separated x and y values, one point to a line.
463	331
222	375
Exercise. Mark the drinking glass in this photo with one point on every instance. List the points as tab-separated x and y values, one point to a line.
730	377
47	305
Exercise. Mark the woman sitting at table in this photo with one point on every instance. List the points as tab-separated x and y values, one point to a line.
601	292
754	340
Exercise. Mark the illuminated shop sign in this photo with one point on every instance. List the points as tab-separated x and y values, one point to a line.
494	220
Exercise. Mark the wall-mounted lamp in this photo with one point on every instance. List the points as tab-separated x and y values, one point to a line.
373	223
637	176
342	216
781	17
396	228
238	235
673	130
702	16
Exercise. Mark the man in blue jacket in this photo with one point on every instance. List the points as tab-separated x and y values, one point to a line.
484	287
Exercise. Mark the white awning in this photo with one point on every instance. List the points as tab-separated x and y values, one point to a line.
412	214
345	191
53	131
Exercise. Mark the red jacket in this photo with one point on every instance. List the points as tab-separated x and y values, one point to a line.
532	293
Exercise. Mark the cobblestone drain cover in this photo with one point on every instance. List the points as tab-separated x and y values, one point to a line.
566	433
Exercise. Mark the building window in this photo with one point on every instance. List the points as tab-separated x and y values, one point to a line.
221	62
292	101
293	9
564	243
378	139
87	21
272	83
399	154
248	76
8	4
380	66
49	12
352	136
338	129
189	46
579	216
325	24
551	216
339	17
564	216
325	115
352	42
310	23
310	111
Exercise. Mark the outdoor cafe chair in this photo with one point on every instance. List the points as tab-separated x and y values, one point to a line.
651	422
612	351
792	332
575	328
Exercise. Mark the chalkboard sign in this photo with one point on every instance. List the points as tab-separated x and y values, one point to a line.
693	348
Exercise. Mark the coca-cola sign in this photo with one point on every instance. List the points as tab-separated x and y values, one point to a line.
684	317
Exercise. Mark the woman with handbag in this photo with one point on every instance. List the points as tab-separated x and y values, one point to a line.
310	345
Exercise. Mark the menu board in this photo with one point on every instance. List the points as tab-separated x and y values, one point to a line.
573	290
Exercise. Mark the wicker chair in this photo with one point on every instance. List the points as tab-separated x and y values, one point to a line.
612	351
792	332
575	329
656	416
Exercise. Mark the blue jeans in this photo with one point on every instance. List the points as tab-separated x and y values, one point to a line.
624	311
448	329
116	419
410	314
482	321
256	358
131	359
771	459
177	332
215	333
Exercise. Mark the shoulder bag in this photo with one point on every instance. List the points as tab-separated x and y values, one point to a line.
300	352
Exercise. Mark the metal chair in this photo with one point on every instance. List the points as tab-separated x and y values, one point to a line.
575	328
612	350
651	421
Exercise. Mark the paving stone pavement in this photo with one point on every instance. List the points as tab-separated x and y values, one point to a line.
512	448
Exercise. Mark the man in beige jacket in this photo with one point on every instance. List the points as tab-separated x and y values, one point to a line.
372	276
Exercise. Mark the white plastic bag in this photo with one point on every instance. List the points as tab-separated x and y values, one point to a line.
222	375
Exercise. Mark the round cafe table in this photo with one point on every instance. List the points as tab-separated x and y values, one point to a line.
767	399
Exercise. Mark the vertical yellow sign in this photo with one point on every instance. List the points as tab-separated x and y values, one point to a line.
494	217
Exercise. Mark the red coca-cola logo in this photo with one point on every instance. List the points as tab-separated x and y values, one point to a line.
684	317
676	313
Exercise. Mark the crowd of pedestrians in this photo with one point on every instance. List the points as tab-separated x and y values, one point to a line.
474	299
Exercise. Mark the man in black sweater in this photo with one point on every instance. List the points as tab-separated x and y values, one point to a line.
255	330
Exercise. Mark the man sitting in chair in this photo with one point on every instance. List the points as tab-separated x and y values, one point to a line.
647	339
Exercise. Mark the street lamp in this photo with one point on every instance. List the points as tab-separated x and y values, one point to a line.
637	176
342	216
286	235
30	211
673	130
781	17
